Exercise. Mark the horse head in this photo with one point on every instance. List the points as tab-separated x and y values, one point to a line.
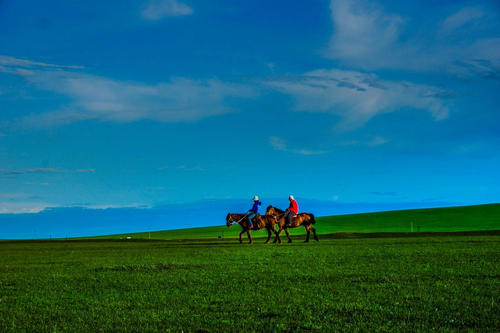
272	211
229	220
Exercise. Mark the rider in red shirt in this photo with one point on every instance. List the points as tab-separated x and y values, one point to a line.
292	210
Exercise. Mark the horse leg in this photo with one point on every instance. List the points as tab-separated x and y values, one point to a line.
308	229
275	234
288	235
314	233
278	235
268	235
241	233
250	240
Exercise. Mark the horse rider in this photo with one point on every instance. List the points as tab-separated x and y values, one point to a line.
254	210
292	210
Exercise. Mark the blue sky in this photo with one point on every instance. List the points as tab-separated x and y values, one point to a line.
169	102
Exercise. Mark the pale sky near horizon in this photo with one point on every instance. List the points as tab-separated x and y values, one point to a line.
146	103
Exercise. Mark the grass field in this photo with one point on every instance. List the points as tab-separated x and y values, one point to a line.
452	219
372	284
349	281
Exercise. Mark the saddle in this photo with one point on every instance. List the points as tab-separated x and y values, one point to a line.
292	220
254	219
257	216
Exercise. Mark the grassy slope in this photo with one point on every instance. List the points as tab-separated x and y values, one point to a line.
438	283
466	218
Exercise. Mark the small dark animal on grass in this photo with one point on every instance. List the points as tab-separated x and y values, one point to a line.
303	219
260	222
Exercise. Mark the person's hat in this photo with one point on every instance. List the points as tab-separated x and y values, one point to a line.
256	198
291	197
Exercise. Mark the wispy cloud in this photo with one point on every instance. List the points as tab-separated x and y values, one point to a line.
461	18
357	97
483	60
42	170
362	32
25	63
280	144
101	98
33	207
367	37
159	9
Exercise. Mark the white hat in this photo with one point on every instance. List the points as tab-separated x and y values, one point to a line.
256	198
291	197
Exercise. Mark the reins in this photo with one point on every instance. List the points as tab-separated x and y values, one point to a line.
231	216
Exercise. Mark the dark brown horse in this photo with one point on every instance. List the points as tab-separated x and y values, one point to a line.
303	219
259	222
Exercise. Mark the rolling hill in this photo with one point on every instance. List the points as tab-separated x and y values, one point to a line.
449	219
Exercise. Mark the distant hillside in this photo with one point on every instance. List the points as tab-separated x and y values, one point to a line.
71	222
449	219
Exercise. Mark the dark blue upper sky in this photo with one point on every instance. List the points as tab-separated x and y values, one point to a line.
165	102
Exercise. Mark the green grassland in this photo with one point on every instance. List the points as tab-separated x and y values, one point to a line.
452	219
193	282
442	283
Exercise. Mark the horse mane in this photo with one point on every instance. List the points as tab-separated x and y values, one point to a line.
277	209
237	214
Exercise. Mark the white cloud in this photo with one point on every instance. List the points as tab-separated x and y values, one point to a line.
362	32
357	97
101	98
159	9
367	37
280	144
19	207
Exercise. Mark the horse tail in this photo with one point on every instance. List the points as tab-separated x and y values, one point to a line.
313	221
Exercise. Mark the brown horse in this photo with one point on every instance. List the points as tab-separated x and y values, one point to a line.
303	219
260	222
